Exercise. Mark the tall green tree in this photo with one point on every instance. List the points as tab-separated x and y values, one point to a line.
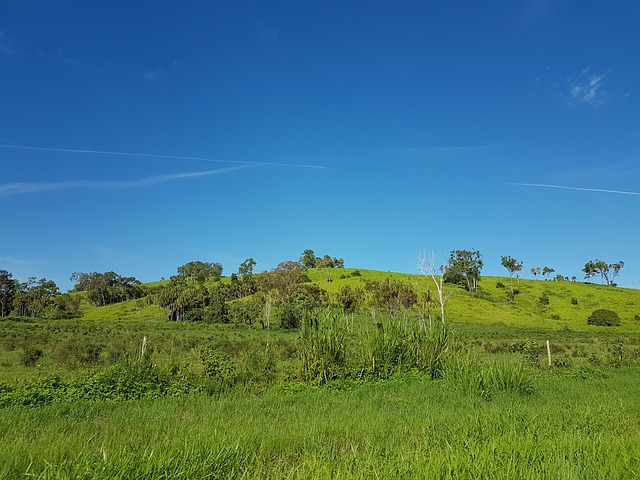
107	288
308	258
513	266
464	268
35	298
200	272
607	271
8	288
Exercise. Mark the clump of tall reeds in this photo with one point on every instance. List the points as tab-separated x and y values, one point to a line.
474	377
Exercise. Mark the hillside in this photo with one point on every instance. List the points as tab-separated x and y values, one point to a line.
569	303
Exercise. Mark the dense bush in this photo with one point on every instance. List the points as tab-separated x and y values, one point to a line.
31	356
604	317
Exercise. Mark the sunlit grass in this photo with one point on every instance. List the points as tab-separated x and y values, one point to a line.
405	428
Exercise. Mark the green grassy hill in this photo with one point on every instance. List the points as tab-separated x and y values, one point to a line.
569	303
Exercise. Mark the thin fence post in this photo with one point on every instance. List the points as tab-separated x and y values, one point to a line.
143	352
549	353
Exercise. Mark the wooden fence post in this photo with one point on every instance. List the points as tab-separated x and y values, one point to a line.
549	352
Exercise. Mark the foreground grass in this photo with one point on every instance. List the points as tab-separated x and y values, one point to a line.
575	426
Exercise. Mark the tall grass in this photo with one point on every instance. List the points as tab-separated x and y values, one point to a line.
409	427
472	376
400	345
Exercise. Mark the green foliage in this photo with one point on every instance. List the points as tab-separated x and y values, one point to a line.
199	272
246	311
604	317
464	268
574	301
107	288
402	346
607	271
468	374
390	295
31	356
80	353
544	299
322	347
8	288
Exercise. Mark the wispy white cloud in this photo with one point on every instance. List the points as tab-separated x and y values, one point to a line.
6	45
587	89
10	189
267	32
160	73
564	187
153	155
22	262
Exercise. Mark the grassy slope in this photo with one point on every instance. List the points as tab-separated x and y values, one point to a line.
488	307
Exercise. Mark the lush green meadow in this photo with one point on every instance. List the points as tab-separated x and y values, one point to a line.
239	401
574	426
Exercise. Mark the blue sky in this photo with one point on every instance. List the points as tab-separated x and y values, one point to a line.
137	136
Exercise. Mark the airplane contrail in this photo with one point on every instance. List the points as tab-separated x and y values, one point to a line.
35	187
153	155
564	187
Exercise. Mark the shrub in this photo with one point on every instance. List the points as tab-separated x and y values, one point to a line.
574	301
499	285
637	317
356	273
544	299
604	317
30	356
555	316
79	353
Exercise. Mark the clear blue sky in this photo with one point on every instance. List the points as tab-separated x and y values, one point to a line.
364	130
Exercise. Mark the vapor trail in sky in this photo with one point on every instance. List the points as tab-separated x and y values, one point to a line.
35	187
564	187
153	155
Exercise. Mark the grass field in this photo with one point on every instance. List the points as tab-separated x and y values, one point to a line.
231	401
573	427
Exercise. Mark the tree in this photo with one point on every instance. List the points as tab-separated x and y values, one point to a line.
535	271
350	300
35	298
279	285
107	288
390	295
308	258
464	268
427	267
8	288
607	271
547	271
200	272
513	266
246	268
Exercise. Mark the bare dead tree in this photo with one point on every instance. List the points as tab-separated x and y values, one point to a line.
427	267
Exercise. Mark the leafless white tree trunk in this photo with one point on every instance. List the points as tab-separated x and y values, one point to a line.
427	267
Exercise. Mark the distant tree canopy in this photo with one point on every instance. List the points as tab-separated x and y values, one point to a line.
464	268
391	296
107	288
547	271
8	288
35	298
309	260
200	272
607	271
512	265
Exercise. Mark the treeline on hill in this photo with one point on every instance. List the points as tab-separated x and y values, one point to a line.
196	292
